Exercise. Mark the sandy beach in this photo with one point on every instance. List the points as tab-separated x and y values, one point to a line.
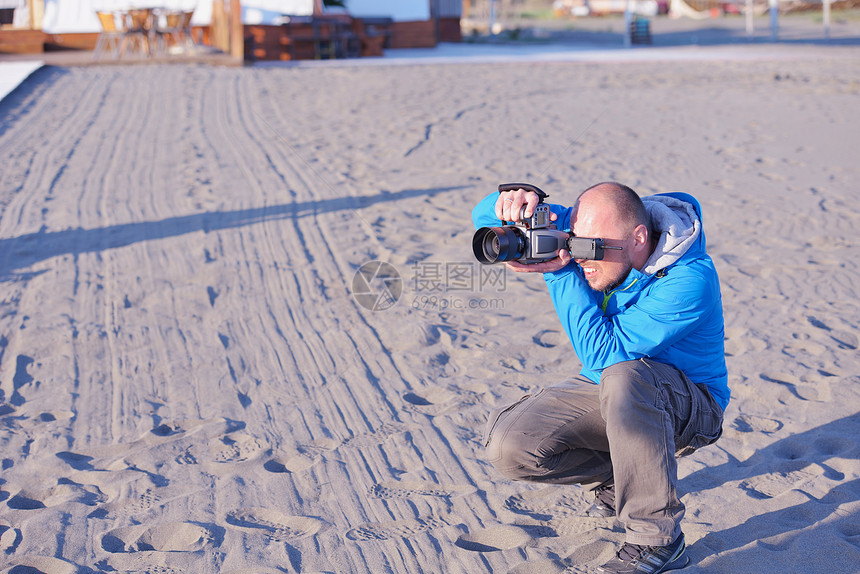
195	376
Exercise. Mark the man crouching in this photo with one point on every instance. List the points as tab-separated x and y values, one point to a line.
646	322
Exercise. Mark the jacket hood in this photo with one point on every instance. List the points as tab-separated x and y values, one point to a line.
677	218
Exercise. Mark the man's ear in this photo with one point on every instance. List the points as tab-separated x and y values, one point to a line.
641	236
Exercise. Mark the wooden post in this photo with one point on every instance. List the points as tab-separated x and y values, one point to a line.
36	11
774	19
749	18
237	30
492	17
628	18
220	29
434	15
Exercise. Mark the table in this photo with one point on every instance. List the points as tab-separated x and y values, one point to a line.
144	31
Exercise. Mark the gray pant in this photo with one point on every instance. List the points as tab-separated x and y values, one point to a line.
626	431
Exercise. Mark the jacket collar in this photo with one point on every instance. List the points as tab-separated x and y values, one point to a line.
633	283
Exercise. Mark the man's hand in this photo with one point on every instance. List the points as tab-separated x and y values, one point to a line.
544	266
510	204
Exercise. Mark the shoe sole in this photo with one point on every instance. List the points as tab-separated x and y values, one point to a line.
680	562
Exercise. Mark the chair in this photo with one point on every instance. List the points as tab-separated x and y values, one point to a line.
111	35
369	41
187	33
175	26
138	30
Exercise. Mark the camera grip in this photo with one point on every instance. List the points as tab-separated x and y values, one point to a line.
526	186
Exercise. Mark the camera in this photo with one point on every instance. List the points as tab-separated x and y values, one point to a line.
532	240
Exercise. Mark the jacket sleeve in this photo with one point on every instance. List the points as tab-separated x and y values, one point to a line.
665	312
484	214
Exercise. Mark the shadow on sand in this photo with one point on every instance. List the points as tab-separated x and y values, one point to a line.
773	535
19	253
20	101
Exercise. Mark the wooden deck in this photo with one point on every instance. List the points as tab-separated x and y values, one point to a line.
303	40
299	42
22	41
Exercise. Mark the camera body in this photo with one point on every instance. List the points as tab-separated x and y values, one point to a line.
534	239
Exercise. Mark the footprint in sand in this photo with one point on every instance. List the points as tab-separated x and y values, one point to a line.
845	339
75	460
830	445
799	389
42	418
549	503
434	334
290	464
166	537
506	537
755	423
739	341
548	338
375	437
236	447
64	491
10	537
274	524
185	457
394	489
143	502
41	564
803	345
301	458
433	402
141	495
773	484
148	448
373	531
513	364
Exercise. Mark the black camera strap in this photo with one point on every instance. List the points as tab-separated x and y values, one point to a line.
526	186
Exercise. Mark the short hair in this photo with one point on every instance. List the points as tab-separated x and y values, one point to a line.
631	210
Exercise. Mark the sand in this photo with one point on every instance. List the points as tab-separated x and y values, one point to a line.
192	381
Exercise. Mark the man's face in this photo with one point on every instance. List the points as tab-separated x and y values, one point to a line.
598	219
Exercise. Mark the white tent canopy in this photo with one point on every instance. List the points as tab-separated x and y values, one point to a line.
71	16
76	16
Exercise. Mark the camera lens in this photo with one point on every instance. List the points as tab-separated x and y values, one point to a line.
498	244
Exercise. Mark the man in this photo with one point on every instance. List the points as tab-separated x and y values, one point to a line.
646	322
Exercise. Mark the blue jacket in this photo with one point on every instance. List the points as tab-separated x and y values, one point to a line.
670	311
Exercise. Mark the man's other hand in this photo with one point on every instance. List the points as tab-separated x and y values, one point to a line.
547	266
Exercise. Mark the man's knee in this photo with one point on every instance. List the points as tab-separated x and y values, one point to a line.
512	440
510	453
